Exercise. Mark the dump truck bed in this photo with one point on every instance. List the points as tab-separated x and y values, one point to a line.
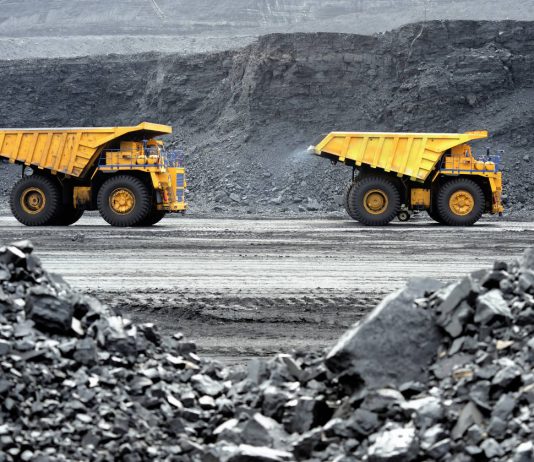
412	154
67	150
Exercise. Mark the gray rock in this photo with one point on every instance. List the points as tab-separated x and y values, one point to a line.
247	453
12	255
370	348
497	428
526	280
308	412
509	373
5	348
454	324
50	313
527	261
206	385
524	452
86	352
258	430
439	449
428	410
396	444
431	436
382	399
444	367
491	305
469	415
363	422
475	434
274	399
306	443
257	370
504	407
451	296
491	448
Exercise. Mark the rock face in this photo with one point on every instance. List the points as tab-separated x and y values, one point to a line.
245	117
78	382
371	348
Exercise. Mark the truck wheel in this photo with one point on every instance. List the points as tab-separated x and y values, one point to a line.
374	201
404	216
69	216
346	195
460	202
124	201
434	215
155	216
36	201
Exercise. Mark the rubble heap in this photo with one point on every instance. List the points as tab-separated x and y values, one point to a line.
433	373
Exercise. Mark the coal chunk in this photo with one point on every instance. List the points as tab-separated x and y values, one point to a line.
370	349
49	312
396	444
491	305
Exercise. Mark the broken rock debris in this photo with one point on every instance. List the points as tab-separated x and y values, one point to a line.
433	373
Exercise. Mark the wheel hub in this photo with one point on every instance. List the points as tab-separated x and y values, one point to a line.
122	201
375	201
33	201
461	202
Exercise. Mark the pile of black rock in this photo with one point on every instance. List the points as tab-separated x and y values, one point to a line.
433	373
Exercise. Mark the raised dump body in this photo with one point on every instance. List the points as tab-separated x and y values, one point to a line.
400	173
70	151
124	172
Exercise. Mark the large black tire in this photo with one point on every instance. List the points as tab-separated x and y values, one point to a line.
460	202
346	194
36	200
68	216
124	200
155	216
434	215
373	200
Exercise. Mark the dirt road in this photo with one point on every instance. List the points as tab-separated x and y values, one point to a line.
241	288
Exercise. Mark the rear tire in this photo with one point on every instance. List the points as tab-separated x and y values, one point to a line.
373	200
124	200
460	202
155	216
36	201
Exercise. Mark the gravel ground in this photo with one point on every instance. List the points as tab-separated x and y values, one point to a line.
243	288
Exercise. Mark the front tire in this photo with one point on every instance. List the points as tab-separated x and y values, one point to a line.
460	202
124	200
434	215
346	200
374	200
36	201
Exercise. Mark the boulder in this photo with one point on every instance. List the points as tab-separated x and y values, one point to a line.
394	344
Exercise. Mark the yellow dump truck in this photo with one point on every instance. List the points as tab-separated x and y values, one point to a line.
396	174
123	172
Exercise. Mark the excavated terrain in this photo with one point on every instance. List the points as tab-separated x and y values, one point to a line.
435	372
244	288
245	117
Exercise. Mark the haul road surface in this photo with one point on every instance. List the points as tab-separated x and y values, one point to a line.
242	287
